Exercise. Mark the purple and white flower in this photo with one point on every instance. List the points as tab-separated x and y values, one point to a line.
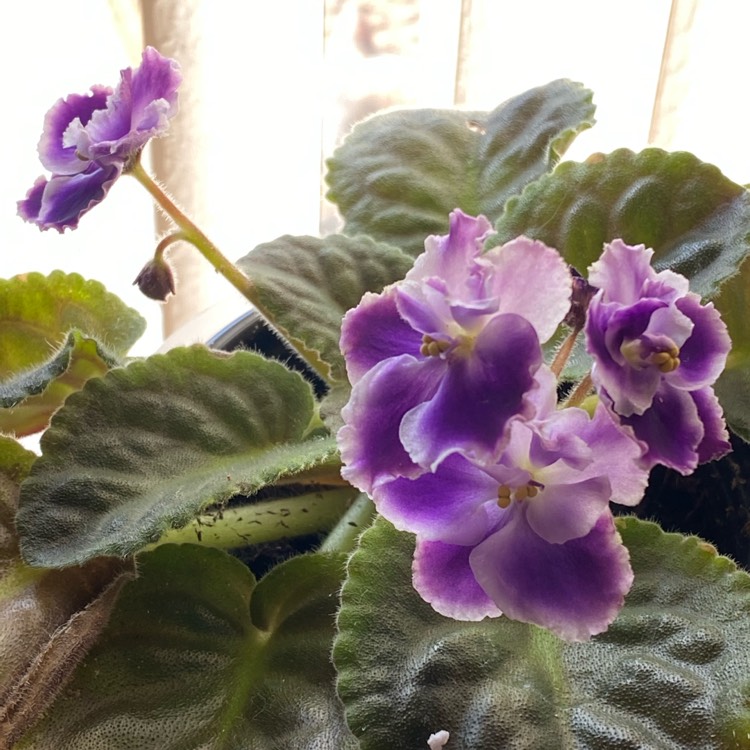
442	360
531	535
89	139
657	352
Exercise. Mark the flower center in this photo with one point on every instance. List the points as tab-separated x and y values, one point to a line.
666	358
505	495
433	347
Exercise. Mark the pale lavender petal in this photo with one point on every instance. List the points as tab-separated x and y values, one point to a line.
704	354
60	202
622	271
671	428
370	448
450	257
617	454
52	153
425	307
531	280
562	512
374	331
574	589
478	395
443	577
456	504
715	442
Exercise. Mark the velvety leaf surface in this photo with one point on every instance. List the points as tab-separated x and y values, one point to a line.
696	220
733	387
197	656
37	312
672	672
306	284
398	175
28	400
148	446
48	618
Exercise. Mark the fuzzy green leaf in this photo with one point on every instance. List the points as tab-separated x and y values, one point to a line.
696	220
672	672
398	175
28	400
149	446
37	312
306	284
48	618
197	655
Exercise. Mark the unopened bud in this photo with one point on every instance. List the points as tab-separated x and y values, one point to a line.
579	301
156	280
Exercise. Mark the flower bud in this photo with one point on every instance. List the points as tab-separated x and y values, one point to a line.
156	280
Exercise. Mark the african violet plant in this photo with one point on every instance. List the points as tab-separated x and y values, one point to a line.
514	353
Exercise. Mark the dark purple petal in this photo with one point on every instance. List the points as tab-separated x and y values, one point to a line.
138	110
575	589
715	443
704	354
530	280
456	504
60	202
443	577
53	154
369	440
671	428
480	392
374	331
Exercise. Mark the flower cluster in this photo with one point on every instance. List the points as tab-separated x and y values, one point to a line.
88	140
453	425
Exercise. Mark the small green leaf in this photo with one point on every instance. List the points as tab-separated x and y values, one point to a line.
37	312
197	655
306	284
399	175
28	400
149	446
696	220
672	672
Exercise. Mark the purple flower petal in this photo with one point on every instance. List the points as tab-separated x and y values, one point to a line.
456	504
60	202
672	430
443	577
715	442
530	280
374	331
704	354
52	153
369	442
138	110
575	589
479	393
622	271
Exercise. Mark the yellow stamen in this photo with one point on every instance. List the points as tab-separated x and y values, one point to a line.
503	496
433	347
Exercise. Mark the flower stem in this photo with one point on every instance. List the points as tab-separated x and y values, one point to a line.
579	393
266	521
192	234
563	353
344	535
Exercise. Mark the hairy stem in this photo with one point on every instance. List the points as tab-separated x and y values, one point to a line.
344	535
266	521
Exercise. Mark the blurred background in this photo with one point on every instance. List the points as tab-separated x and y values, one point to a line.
271	87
